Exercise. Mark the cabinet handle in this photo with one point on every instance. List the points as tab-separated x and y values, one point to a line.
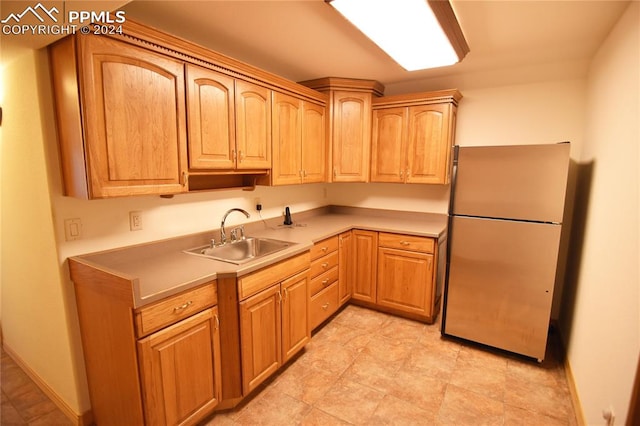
324	265
325	281
185	178
405	243
241	156
325	306
234	155
286	294
408	172
324	249
279	297
216	322
335	172
400	174
304	173
182	307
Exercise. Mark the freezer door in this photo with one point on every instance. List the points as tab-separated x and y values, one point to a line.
500	283
526	182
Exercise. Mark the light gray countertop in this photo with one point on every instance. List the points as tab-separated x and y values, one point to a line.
161	269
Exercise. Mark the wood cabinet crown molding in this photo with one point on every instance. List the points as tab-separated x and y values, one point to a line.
171	45
340	83
421	98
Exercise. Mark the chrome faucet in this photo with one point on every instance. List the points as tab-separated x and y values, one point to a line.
223	234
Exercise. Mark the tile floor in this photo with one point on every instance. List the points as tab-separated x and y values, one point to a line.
366	367
23	403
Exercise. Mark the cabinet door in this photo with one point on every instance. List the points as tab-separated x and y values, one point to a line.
314	143
253	126
346	266
180	370
351	136
405	280
365	245
260	337
389	147
134	119
430	143
295	315
211	110
287	139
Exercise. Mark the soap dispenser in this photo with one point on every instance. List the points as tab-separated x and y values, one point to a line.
287	216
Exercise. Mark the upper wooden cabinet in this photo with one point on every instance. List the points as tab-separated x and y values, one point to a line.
350	125
253	126
413	136
129	137
211	109
148	113
299	143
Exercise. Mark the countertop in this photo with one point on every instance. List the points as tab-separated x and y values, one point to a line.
161	269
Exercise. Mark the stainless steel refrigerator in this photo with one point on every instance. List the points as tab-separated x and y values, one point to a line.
505	219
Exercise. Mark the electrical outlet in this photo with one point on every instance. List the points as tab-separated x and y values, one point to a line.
257	203
72	229
135	221
609	415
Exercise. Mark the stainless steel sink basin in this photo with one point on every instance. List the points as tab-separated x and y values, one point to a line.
241	251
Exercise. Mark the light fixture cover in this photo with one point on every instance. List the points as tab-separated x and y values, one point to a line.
418	34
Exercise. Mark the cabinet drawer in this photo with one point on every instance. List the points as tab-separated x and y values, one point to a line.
266	277
166	312
323	281
324	247
322	265
323	305
406	242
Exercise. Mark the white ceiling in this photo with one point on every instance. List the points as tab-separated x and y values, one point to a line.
303	40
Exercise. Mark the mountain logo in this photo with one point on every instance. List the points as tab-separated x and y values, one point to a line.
34	11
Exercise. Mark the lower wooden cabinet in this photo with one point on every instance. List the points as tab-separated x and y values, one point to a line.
365	260
345	266
405	280
180	370
396	273
273	327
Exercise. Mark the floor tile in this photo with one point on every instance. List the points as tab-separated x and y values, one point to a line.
350	401
368	367
462	407
394	411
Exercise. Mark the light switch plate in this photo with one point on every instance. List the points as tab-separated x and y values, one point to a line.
72	229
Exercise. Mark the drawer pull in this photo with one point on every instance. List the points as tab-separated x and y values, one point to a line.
324	265
324	249
405	243
182	307
325	281
216	322
325	306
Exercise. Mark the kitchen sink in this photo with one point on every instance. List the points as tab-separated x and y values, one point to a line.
241	251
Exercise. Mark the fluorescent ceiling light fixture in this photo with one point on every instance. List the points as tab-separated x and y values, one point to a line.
417	34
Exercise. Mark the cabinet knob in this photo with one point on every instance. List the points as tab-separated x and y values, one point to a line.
324	265
325	306
325	281
324	249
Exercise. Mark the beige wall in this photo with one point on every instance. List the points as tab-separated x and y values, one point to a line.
601	316
34	312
